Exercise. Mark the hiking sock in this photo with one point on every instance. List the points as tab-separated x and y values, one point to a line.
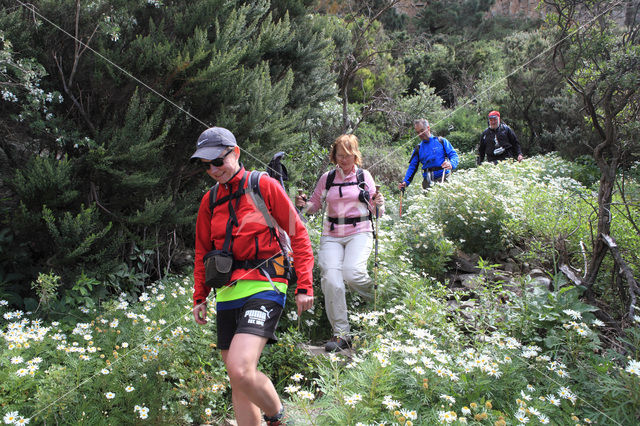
274	420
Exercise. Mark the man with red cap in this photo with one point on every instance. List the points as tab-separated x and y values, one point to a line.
498	142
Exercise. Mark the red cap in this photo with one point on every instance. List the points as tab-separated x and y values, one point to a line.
496	113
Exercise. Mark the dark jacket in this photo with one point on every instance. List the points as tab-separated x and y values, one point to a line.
492	142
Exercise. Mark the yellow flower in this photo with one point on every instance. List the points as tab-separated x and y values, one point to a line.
500	423
473	405
480	416
488	405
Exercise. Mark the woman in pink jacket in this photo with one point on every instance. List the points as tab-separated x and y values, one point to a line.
347	236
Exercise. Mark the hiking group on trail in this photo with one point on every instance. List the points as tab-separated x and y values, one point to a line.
251	243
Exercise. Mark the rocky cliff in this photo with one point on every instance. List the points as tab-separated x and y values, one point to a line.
624	13
524	8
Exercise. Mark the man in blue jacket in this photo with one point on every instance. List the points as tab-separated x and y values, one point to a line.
435	153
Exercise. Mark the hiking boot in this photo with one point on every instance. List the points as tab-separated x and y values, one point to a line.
337	344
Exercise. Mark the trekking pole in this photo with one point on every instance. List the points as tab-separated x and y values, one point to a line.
375	259
400	209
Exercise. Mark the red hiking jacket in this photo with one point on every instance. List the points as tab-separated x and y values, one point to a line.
252	234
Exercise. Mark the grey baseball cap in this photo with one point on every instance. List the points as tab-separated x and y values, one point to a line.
213	142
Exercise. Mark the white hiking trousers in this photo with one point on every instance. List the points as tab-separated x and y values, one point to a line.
344	260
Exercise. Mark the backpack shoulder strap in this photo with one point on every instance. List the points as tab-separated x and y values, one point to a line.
416	152
330	178
360	176
213	194
258	199
443	149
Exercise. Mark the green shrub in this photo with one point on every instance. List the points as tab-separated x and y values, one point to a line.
585	170
422	245
386	165
467	160
285	358
470	218
46	287
462	127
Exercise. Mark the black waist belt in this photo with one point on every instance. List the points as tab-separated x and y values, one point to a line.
346	220
433	169
277	267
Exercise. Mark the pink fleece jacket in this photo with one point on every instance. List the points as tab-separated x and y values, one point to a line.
346	206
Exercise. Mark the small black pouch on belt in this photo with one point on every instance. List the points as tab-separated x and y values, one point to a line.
218	267
218	264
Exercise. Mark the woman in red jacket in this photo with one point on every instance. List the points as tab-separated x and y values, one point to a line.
250	302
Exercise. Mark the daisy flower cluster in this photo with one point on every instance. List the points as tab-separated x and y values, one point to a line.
14	418
217	387
370	318
353	399
142	411
633	367
390	403
581	328
31	366
296	389
447	416
422	354
123	315
22	331
405	417
526	409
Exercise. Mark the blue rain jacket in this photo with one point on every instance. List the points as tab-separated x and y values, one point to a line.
431	154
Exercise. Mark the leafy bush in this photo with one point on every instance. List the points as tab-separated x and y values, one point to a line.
386	165
470	218
467	160
462	128
585	170
417	241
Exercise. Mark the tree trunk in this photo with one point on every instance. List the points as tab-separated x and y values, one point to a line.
605	195
345	104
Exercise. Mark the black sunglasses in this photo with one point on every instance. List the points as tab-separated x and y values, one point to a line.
216	162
